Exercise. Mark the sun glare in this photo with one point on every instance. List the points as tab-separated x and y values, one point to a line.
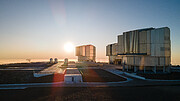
68	47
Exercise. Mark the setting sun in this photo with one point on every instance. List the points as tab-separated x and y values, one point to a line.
68	47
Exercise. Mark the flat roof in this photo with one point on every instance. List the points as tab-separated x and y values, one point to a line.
72	75
72	71
86	45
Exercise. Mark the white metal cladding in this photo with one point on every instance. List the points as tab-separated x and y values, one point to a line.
156	50
87	50
108	50
77	51
148	49
94	51
120	47
153	48
120	39
167	35
160	50
142	48
137	61
143	37
161	35
90	50
136	42
167	49
131	42
114	49
132	38
160	46
148	37
126	41
82	50
150	61
146	60
168	60
86	53
153	36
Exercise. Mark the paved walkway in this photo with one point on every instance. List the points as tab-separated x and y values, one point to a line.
50	70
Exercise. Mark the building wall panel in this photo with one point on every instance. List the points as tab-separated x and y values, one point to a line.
120	47
143	48
148	37
114	49
167	35
161	35
126	39
77	51
148	49
143	37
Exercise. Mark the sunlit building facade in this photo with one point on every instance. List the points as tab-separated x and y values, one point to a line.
148	48
86	53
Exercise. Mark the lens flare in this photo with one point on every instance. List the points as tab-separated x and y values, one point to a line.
68	47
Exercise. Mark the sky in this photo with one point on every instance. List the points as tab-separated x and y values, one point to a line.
40	28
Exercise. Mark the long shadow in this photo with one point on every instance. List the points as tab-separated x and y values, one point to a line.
99	75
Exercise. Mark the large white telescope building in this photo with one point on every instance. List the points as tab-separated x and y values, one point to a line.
150	47
86	53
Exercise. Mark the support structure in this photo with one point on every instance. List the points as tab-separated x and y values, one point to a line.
135	69
144	69
164	68
127	67
154	70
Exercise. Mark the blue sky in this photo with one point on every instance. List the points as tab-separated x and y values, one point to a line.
40	28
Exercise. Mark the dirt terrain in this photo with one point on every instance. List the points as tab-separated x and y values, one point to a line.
99	75
143	93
